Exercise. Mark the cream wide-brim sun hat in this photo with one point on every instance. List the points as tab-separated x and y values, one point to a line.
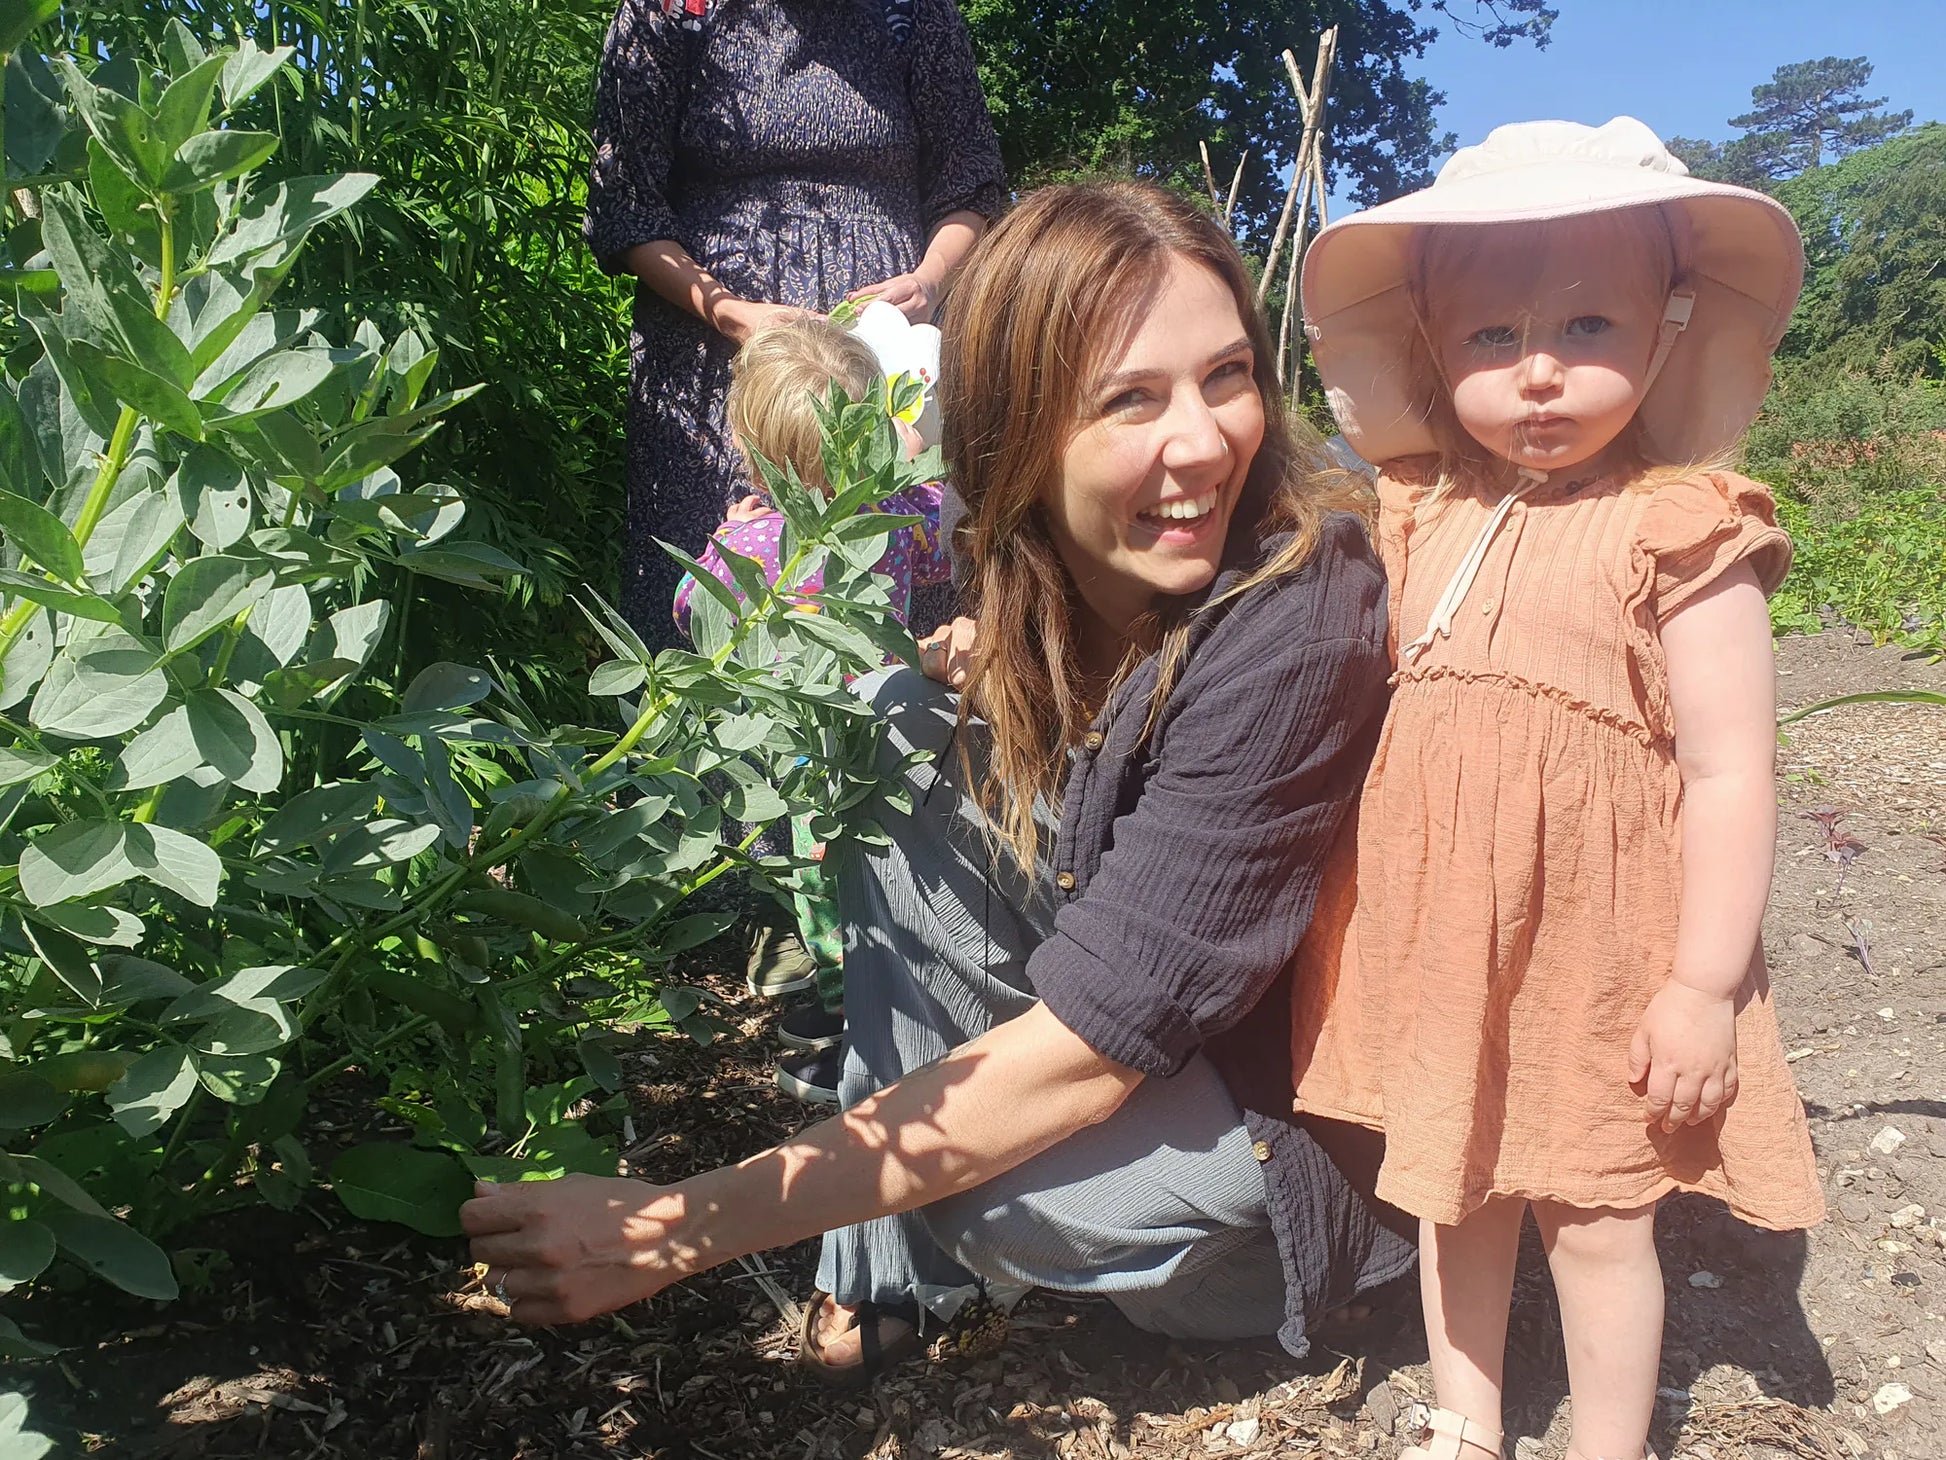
1739	254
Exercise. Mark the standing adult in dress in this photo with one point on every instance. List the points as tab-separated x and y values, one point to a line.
753	159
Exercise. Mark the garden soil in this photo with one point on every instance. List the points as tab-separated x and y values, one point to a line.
317	1337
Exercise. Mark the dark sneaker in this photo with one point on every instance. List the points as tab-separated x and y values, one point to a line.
812	1077
779	964
812	1027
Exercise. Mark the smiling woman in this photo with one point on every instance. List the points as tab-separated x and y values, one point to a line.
1069	1066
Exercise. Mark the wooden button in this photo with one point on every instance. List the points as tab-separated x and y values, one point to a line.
1092	740
1065	882
1261	1150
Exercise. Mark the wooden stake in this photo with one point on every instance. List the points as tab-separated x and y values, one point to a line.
1209	178
1236	186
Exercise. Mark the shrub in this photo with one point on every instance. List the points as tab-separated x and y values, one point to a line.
240	856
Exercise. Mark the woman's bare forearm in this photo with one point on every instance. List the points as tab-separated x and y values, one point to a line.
666	267
990	1105
952	240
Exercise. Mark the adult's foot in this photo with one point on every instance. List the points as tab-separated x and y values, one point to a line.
847	1347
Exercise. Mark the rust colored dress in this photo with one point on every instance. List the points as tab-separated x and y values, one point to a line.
1519	868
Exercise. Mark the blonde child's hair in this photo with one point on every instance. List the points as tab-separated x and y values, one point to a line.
773	381
1440	255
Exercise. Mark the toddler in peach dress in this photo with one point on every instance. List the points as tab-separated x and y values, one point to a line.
1553	996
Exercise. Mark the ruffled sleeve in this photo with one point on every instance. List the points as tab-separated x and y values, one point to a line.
959	156
1695	531
639	99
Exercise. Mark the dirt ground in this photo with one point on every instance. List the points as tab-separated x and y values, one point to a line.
319	1337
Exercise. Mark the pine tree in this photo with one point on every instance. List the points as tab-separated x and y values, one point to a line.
1807	113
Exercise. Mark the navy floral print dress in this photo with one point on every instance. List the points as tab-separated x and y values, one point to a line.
798	149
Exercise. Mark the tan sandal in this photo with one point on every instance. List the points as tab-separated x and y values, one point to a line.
1446	1435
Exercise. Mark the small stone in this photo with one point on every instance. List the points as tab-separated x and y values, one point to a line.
1244	1432
1527	1448
1887	1013
1908	1216
1888	1140
1936	1350
1705	1280
1890	1397
1906	1280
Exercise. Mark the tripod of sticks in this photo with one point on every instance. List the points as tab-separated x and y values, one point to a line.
1306	192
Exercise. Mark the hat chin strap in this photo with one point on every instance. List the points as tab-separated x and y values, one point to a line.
1675	319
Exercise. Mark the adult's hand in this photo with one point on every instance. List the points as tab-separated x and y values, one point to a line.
916	294
738	319
568	1250
946	654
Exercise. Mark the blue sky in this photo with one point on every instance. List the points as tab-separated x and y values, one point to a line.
1684	66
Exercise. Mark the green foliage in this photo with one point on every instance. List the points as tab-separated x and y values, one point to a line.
475	113
240	856
1063	105
1859	461
1875	241
1807	112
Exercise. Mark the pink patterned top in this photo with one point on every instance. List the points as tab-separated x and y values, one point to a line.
915	557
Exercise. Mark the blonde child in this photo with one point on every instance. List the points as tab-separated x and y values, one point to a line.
1553	997
775	379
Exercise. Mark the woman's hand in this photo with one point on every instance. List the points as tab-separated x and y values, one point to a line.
946	654
915	294
738	319
568	1250
749	510
1685	1055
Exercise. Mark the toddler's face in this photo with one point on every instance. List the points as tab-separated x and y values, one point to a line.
1547	367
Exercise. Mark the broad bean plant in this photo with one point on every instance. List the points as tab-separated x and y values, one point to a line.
248	858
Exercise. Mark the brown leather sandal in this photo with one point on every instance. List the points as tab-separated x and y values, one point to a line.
878	1351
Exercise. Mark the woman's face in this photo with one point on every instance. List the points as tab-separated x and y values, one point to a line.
1169	423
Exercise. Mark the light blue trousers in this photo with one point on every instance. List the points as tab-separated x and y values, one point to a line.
1160	1208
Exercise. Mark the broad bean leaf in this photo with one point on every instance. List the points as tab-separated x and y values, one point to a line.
26	1248
213	492
154	1088
50	595
110	687
182	111
74	860
248	69
273	383
232	736
131	539
446	686
26	661
18	763
172	859
214	157
139	388
315	815
386	1182
110	927
208	593
164	751
113	1250
41	535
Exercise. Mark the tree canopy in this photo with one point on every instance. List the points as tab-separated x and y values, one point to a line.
1134	85
1874	229
1808	113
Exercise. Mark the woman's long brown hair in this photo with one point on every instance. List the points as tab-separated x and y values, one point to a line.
1055	288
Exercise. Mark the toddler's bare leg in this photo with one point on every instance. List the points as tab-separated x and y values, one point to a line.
1466	1278
1610	1288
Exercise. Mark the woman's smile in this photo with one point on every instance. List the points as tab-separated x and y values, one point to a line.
1166	436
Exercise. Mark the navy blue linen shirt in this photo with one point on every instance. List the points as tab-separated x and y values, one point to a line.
1189	862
